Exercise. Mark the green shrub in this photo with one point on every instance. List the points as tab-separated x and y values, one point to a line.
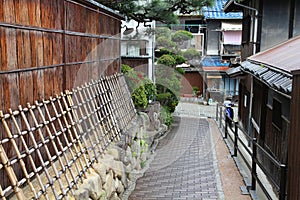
195	90
165	42
167	60
150	89
163	31
179	59
125	68
168	100
139	97
166	116
191	54
180	70
166	51
181	36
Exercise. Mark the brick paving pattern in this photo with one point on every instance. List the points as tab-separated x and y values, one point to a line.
183	167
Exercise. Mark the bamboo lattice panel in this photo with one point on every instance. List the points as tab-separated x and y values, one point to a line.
47	148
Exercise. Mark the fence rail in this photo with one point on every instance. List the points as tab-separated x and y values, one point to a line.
247	147
47	148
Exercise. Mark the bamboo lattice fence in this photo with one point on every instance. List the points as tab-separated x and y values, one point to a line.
47	148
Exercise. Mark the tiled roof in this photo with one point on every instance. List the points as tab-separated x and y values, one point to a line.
216	12
214	63
274	79
285	56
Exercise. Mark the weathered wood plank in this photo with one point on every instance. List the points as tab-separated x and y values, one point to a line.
58	14
11	42
57	48
48	82
38	88
46	13
34	10
21	11
1	11
24	49
48	49
9	12
3	51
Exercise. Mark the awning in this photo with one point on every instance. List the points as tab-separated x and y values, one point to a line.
225	26
284	57
232	37
214	77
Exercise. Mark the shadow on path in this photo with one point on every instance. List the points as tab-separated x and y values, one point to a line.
184	166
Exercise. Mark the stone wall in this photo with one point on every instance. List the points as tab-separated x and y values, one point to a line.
113	176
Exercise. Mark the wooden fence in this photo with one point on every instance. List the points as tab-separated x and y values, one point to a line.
255	158
48	46
49	146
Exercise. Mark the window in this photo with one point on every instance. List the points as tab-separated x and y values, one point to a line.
276	116
245	101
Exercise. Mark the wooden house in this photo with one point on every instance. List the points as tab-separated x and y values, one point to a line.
265	23
49	46
269	85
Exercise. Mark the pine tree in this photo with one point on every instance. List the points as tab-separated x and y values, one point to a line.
158	10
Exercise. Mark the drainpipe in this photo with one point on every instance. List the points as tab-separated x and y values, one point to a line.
254	38
254	32
250	110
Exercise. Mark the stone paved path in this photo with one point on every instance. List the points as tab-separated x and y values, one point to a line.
184	166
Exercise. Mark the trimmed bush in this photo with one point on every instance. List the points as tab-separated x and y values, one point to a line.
191	54
139	97
167	60
179	59
181	36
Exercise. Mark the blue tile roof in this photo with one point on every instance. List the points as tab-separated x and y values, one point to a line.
216	12
213	61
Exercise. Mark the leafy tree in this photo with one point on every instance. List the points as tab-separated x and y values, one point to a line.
167	60
182	35
179	59
163	31
139	97
142	89
165	42
191	54
159	10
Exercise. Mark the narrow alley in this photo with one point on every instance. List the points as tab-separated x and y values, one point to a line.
186	164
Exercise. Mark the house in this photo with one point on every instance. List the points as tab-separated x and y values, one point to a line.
137	47
217	36
265	23
223	43
269	87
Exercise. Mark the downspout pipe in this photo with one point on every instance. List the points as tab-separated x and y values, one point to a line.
254	39
254	32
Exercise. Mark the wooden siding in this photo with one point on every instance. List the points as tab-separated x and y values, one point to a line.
47	46
244	102
293	188
139	64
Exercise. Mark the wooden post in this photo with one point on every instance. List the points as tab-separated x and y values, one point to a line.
236	137
253	169
226	130
217	112
283	180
